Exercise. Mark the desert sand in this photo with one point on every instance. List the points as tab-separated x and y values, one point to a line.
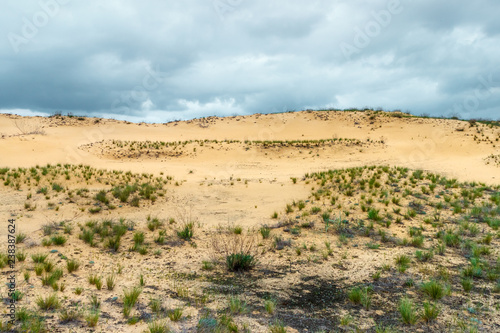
246	172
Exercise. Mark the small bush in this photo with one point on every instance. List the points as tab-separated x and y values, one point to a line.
130	296
237	306
237	230
38	269
95	280
57	187
135	201
373	214
158	326
433	289
207	265
92	318
270	306
111	281
46	242
265	231
21	255
424	256
355	295
155	305
48	303
430	313
175	315
58	240
95	210
366	297
39	258
113	243
467	284
17	296
277	327
154	223
48	266
186	233
417	241
67	315
402	260
280	243
72	265
240	262
42	190
452	240
407	311
20	237
139	238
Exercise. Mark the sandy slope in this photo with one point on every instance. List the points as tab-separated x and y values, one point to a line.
429	144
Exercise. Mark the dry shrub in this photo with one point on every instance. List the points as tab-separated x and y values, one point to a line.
239	251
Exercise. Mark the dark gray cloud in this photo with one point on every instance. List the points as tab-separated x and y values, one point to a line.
161	60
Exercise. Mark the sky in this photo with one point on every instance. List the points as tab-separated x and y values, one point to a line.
164	60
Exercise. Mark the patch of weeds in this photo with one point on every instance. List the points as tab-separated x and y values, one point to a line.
280	243
155	305
72	265
408	311
240	262
58	240
237	306
207	265
67	315
433	289
158	326
467	284
186	232
265	231
277	327
270	306
111	281
21	256
92	318
129	299
50	302
355	295
39	258
20	237
424	256
430	312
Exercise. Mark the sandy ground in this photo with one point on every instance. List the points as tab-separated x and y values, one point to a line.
226	184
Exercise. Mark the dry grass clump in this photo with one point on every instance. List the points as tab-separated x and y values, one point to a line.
238	250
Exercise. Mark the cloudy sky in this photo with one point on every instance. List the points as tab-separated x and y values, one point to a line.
160	60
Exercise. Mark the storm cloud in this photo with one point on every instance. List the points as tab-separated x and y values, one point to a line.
161	60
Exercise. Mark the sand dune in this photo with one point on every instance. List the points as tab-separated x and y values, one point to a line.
227	172
430	144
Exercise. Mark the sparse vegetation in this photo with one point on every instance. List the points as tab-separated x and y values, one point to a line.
50	302
72	265
398	231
